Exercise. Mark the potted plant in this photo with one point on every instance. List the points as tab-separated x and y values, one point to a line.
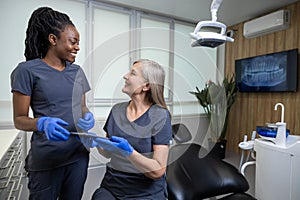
216	100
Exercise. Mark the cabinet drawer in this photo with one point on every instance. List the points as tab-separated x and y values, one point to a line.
12	170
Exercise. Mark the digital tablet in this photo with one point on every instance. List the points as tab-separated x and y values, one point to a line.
88	135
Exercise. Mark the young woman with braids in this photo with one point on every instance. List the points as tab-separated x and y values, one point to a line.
54	88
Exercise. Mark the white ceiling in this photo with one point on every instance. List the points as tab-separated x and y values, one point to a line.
230	11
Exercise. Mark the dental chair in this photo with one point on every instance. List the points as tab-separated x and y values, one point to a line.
193	174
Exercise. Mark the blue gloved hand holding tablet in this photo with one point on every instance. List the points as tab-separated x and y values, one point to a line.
53	129
113	144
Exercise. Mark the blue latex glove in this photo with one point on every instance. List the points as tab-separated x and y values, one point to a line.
53	129
89	142
87	122
115	144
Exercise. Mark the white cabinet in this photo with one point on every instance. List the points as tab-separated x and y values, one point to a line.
277	169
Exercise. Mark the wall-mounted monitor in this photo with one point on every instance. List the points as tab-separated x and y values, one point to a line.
274	72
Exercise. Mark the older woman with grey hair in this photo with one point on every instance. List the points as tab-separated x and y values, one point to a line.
139	134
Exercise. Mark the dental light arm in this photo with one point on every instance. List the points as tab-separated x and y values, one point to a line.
214	9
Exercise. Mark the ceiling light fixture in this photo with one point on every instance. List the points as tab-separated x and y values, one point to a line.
210	33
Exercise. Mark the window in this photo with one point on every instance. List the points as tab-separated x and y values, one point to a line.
192	67
121	36
110	52
155	45
111	38
14	32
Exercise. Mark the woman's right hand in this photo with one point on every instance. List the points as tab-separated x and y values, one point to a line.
53	129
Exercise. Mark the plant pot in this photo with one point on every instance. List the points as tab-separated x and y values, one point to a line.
217	148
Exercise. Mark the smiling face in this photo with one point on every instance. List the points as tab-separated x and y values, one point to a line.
66	46
135	82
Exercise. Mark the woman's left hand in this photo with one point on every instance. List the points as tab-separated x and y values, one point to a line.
116	144
87	122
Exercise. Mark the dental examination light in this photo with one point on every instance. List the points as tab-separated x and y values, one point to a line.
210	33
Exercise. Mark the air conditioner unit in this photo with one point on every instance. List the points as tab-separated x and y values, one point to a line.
276	21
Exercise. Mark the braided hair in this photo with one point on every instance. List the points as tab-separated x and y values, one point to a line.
43	21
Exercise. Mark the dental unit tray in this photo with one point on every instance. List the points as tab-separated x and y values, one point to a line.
268	132
88	135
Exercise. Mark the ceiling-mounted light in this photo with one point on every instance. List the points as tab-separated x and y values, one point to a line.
210	33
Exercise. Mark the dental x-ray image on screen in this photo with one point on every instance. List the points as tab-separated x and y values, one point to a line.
275	72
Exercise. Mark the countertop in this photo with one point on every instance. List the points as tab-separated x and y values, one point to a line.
292	146
6	139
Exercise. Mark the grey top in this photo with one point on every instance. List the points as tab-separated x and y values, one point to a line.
53	94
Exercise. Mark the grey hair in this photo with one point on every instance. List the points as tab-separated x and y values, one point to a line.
154	74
